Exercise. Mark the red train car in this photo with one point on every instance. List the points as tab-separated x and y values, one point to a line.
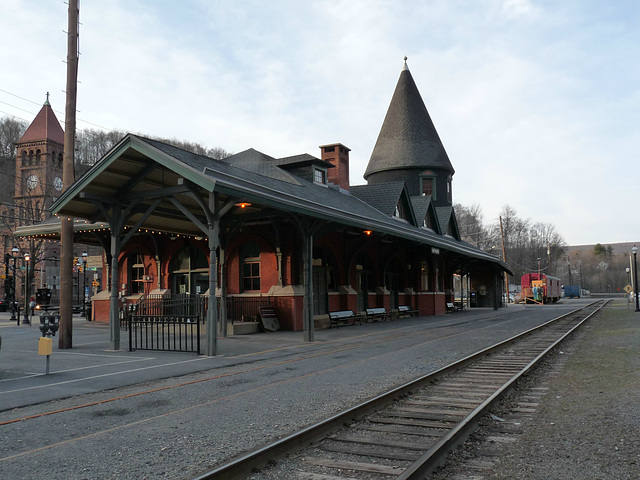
540	288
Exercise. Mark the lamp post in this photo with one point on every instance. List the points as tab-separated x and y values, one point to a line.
26	320
634	250
14	253
84	284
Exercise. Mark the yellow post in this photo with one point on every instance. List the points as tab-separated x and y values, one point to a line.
45	347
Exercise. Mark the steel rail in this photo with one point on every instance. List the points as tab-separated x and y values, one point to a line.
244	465
438	453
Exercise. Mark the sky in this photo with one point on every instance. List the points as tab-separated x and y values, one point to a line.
537	102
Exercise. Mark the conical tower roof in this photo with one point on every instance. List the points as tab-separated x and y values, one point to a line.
44	127
408	138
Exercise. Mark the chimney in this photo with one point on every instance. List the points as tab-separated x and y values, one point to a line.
338	155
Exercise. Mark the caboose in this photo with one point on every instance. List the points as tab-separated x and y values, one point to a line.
539	288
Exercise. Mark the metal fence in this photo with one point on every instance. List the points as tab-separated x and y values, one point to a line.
173	322
167	323
245	309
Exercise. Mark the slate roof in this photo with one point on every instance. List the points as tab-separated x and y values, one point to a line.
420	205
239	177
381	196
408	137
44	126
445	215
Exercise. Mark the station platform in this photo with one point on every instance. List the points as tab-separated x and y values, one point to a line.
91	366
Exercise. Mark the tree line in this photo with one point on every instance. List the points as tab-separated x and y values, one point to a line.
92	144
528	246
531	246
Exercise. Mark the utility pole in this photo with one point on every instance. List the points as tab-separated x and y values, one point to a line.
66	232
504	259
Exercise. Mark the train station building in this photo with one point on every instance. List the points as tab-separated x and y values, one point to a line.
289	232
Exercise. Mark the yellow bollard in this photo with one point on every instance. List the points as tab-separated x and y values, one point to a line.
45	347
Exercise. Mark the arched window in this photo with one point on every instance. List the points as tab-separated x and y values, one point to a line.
190	271
59	160
30	157
250	267
24	158
38	155
136	274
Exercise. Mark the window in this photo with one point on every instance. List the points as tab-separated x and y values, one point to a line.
399	212
250	267
424	276
190	271
319	176
428	186
330	149
24	158
136	278
449	190
427	223
38	155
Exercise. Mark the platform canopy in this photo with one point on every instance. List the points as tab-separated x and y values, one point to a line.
164	189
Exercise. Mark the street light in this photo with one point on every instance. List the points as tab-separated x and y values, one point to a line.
14	253
634	250
26	320
84	284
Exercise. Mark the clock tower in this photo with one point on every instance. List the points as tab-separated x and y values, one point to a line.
39	167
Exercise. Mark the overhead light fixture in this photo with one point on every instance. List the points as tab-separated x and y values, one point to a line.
243	204
367	232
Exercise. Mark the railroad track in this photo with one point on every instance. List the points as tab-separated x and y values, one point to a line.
406	433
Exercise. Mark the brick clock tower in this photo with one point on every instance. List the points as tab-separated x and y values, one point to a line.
38	183
39	167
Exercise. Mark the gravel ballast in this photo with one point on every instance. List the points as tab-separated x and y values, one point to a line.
587	425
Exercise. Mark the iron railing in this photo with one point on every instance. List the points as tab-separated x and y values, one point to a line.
172	322
166	322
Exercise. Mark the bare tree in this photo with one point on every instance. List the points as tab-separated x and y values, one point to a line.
10	132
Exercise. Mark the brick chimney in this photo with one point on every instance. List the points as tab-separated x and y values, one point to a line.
338	155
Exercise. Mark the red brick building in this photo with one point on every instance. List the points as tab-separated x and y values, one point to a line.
291	231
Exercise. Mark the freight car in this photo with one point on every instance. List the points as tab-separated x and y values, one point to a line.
572	291
539	288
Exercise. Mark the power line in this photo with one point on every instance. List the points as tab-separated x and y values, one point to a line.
34	114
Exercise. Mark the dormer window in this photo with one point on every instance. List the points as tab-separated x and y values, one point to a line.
399	212
319	176
428	187
449	199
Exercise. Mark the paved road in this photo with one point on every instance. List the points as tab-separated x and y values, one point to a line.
173	415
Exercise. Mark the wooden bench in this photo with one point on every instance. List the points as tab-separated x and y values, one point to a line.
451	307
344	317
378	313
404	310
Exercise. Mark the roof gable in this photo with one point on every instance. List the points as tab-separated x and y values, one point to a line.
425	213
448	222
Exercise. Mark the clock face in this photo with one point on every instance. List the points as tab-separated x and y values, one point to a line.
32	182
57	182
